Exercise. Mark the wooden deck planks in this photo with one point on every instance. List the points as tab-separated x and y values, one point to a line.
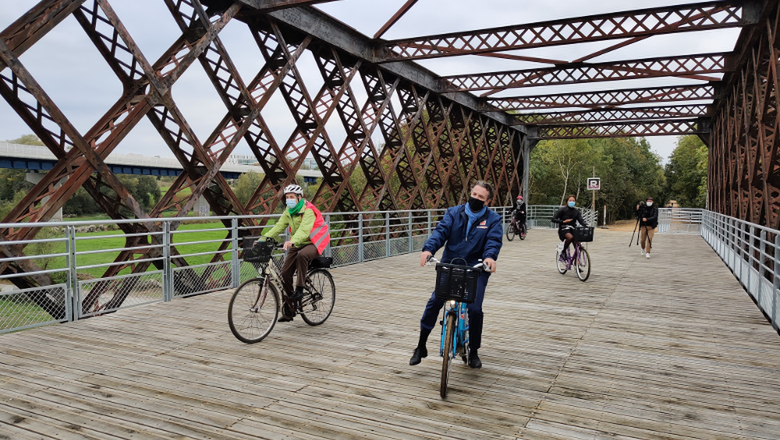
666	348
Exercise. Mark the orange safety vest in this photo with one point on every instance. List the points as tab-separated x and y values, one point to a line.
320	233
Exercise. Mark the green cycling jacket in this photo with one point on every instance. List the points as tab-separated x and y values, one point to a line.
301	225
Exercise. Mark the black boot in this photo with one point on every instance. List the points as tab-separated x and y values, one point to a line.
420	352
474	361
298	295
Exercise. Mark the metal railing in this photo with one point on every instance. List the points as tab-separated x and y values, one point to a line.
177	257
540	216
679	220
752	252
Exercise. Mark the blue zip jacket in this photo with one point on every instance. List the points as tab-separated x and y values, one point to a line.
484	240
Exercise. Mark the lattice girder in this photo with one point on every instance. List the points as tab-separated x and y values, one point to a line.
632	24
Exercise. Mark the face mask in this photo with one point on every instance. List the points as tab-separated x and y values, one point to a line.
571	204
476	204
649	203
291	203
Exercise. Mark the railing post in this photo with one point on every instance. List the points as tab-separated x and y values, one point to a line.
167	270
776	282
762	249
751	252
72	301
360	238
387	234
411	237
235	265
430	224
328	250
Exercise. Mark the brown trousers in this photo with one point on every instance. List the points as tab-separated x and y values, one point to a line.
297	260
646	232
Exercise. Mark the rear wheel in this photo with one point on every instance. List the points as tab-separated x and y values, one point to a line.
510	232
320	298
449	337
253	310
583	265
560	264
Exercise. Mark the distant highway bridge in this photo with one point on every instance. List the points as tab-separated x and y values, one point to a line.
35	158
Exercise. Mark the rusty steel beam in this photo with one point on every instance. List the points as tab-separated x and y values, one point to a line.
638	23
265	5
394	19
744	149
34	24
606	99
613	115
623	129
688	66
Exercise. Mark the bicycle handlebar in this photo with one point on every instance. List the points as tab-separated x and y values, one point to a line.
481	264
274	244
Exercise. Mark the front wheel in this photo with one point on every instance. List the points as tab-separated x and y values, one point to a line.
510	232
449	338
560	264
320	298
583	265
253	310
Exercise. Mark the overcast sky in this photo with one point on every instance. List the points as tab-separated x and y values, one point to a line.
79	81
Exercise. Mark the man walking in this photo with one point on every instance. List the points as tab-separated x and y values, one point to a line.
648	221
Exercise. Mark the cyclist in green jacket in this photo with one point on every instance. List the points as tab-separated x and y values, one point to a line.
308	239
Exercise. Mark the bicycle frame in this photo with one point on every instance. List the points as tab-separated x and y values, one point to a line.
575	256
461	334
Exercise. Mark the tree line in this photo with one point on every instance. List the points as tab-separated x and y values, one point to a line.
628	169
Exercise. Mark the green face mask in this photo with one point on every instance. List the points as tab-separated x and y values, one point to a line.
297	208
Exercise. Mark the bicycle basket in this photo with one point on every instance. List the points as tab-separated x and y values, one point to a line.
456	282
583	234
259	252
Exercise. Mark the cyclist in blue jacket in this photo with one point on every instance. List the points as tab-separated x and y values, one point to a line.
471	231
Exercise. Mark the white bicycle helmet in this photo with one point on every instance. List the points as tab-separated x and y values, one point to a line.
295	189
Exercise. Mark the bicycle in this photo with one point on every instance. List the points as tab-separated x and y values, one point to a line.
457	285
580	259
513	229
255	305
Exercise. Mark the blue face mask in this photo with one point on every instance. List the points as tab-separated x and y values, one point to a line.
571	204
291	203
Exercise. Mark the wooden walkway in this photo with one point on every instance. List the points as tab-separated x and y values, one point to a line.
666	348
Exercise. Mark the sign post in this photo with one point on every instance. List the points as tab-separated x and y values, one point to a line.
594	184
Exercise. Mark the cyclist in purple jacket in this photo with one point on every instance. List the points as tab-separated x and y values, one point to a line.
473	232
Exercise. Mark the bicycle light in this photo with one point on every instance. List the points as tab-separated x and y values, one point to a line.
452	303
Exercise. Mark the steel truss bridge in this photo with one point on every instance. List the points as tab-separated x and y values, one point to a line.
437	133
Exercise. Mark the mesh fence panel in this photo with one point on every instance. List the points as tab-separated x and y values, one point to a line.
374	250
126	290
32	307
203	278
419	242
399	246
248	271
344	255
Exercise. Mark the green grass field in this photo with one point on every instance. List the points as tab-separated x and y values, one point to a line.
108	240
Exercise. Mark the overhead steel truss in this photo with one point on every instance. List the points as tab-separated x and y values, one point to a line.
634	25
744	149
606	99
431	147
414	139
